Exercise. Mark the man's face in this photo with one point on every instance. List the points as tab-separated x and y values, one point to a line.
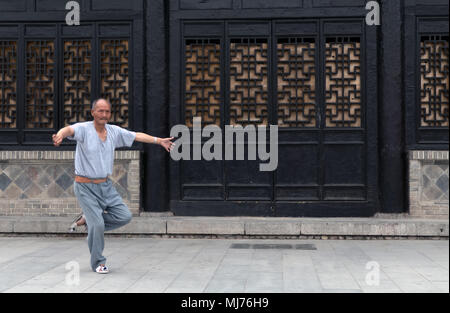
102	112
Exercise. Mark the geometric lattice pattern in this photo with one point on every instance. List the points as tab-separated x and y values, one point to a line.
249	82
296	77
434	81
43	62
40	84
343	82
8	84
77	81
202	81
33	181
434	182
114	78
296	82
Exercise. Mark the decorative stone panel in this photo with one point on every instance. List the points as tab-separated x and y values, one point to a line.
40	183
428	184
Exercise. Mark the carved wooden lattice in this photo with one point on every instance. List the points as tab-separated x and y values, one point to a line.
40	80
343	82
8	84
202	77
114	78
296	82
77	81
434	82
249	82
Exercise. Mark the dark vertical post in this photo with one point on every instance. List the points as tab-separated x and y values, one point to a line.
391	130
155	162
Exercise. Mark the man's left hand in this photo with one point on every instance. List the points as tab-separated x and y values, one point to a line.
166	143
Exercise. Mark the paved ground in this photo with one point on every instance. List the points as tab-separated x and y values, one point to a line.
50	264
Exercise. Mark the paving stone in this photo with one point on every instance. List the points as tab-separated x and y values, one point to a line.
38	264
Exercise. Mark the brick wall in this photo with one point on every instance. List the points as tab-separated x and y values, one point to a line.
40	183
428	184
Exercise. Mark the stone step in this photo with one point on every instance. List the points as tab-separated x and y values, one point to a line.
242	226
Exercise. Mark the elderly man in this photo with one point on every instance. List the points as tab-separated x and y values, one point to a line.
102	206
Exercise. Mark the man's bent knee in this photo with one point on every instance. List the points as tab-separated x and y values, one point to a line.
127	218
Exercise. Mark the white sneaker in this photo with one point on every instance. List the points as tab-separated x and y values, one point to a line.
74	225
102	269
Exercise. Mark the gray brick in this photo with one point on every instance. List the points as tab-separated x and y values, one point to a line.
64	181
205	226
6	226
272	228
432	193
153	226
4	181
442	183
433	171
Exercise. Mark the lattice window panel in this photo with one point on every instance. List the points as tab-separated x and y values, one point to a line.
114	62
296	82
343	102
40	84
434	81
77	80
202	81
248	81
8	84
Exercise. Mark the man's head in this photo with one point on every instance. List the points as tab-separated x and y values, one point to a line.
101	111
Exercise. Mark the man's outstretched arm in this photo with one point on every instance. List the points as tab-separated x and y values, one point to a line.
166	143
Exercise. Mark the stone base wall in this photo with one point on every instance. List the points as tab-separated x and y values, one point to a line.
428	184
40	183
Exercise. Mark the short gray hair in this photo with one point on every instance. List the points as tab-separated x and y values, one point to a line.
94	104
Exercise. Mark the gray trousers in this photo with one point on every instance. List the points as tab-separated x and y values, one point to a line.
104	210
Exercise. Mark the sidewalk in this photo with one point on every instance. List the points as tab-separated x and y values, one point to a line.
49	264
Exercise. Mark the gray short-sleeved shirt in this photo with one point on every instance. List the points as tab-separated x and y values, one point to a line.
93	157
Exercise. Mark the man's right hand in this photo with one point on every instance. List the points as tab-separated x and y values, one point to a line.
63	133
57	139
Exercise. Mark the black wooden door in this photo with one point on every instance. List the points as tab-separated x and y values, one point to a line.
327	121
314	79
